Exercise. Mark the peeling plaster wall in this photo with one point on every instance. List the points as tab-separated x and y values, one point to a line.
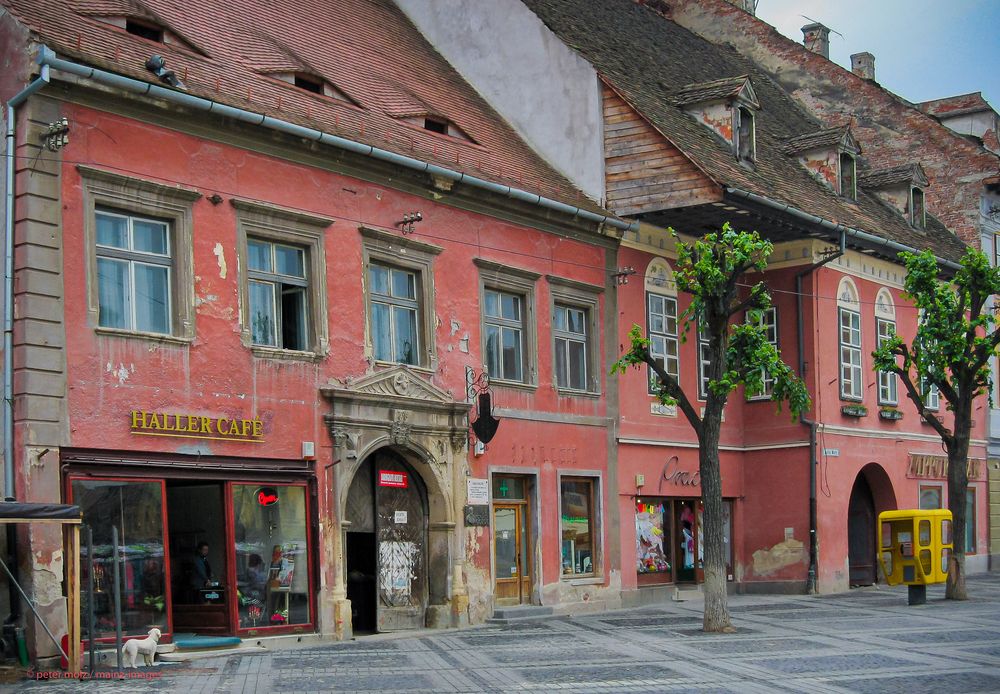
510	57
718	116
215	375
824	166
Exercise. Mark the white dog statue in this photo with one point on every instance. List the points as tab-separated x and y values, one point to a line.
146	646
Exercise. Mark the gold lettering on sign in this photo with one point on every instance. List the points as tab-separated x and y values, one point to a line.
935	467
191	426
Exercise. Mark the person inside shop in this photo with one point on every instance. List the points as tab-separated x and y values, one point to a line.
201	574
256	576
687	545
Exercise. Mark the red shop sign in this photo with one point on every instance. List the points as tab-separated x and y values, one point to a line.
389	478
267	496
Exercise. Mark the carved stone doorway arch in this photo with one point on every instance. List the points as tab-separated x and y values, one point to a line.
399	410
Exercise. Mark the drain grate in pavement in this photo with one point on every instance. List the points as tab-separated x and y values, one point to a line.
922	684
767	607
949	636
381	682
745	646
648	622
835	663
593	676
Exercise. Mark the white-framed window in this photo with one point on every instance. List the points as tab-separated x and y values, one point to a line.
395	314
503	322
134	272
885	328
768	322
575	350
283	288
509	331
970	520
661	319
399	294
569	331
850	355
932	396
703	364
661	322
849	312
278	289
137	237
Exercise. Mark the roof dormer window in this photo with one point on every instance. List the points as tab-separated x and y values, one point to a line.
848	176
746	145
436	125
918	217
144	30
307	82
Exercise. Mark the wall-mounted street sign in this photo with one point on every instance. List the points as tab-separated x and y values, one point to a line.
391	478
192	426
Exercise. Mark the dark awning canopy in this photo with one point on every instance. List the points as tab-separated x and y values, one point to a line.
24	512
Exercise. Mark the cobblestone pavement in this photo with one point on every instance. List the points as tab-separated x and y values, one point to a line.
867	640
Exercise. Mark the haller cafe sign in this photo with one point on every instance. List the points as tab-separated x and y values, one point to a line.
192	426
935	467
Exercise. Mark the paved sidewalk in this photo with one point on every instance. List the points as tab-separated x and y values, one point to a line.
867	640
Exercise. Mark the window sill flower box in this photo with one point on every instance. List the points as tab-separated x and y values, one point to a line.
854	410
890	413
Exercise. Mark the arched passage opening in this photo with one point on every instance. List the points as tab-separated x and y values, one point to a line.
871	494
387	549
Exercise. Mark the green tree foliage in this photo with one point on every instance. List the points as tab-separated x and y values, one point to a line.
713	270
956	337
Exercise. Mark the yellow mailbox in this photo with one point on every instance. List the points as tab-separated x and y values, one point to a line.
914	548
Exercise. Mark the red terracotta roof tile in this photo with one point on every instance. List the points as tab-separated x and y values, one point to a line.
366	48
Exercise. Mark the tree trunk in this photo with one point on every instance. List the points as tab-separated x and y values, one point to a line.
958	482
716	617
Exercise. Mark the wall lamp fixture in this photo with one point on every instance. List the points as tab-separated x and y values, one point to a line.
408	220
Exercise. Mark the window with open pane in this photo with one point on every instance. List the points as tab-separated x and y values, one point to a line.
850	354
395	310
278	294
661	315
569	327
134	265
504	325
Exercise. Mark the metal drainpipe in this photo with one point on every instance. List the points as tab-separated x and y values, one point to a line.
47	57
8	328
811	581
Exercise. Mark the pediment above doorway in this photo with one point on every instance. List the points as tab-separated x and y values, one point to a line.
397	382
400	408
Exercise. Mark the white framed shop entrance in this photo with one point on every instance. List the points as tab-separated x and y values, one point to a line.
412	426
517	556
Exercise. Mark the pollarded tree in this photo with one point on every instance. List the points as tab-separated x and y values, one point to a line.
956	337
713	270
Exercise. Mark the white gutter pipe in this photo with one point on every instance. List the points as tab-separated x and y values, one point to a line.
8	277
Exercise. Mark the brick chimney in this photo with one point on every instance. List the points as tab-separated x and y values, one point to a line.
863	65
816	38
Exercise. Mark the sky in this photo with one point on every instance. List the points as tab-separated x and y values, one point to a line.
924	49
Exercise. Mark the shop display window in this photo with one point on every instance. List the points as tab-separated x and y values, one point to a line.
272	562
652	554
136	509
577	524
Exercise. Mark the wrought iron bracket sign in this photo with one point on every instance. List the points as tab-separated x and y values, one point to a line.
478	388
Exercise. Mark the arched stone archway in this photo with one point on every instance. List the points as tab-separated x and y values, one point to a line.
871	494
397	413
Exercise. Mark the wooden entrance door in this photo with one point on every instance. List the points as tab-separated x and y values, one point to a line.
861	534
510	554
